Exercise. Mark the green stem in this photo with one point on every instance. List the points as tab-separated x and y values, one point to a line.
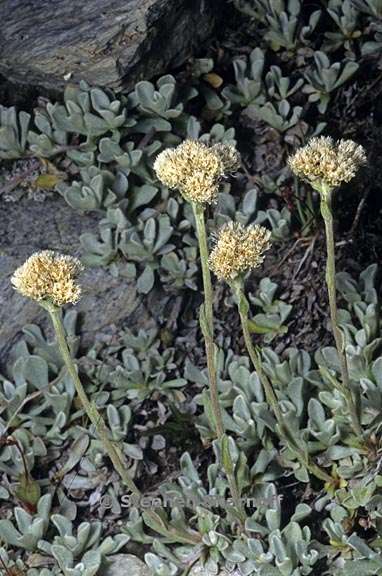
209	318
270	394
327	215
111	448
91	410
207	325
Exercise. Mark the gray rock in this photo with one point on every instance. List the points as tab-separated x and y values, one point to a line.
110	43
27	226
126	565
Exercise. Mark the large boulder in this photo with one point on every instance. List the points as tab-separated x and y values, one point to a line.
27	226
109	43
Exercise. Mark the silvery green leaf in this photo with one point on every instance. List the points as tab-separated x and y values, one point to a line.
158	567
63	556
188	468
213	101
112	544
23	520
133	451
241	409
99	99
36	371
92	562
339	452
278	549
175	383
109	150
145	281
349	70
362	568
142	195
361	547
81	158
9	534
13	133
302	511
77	451
273	514
113	417
4	494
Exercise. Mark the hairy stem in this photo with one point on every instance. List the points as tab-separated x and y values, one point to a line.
207	325
270	394
209	319
327	215
111	448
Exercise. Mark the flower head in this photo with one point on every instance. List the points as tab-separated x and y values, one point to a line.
195	169
167	168
326	163
238	249
229	156
49	276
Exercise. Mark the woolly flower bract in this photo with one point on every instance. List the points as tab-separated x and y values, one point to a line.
49	276
324	162
196	169
238	249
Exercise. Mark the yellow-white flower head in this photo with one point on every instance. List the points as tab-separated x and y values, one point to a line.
238	249
326	164
195	169
229	156
50	277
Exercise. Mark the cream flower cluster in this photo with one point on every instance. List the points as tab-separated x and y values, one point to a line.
238	249
49	276
196	169
326	163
